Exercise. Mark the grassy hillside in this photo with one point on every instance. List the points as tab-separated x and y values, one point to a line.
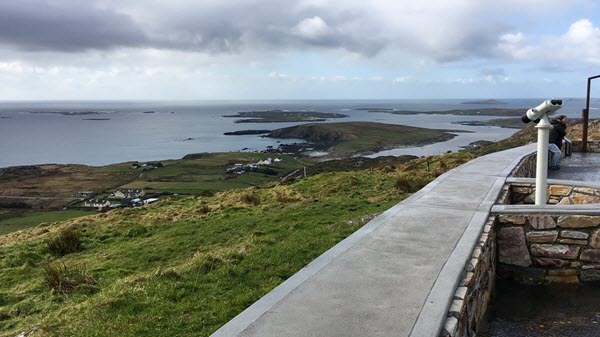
184	267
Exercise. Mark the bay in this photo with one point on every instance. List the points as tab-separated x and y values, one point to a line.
122	131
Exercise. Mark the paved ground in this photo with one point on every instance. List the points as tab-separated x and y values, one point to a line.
395	276
579	167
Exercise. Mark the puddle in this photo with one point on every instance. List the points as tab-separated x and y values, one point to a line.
548	311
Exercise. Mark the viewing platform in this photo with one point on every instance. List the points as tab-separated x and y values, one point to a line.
397	275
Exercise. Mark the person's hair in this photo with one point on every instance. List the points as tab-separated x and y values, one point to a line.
561	117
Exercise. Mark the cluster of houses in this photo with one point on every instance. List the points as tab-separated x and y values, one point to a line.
243	168
123	197
146	166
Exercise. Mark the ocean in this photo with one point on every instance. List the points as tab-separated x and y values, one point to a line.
127	131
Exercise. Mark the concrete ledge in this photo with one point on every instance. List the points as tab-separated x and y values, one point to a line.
584	209
573	183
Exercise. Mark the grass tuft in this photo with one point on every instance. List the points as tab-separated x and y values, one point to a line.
250	199
64	280
66	242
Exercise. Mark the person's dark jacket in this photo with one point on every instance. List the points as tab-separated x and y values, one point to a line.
557	134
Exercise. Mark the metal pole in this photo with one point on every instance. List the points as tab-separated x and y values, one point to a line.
541	173
586	114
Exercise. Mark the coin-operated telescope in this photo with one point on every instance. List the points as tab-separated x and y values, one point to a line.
547	107
539	115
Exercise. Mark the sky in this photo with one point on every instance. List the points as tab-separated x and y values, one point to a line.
297	49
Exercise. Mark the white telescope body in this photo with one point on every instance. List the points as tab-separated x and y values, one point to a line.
539	115
547	107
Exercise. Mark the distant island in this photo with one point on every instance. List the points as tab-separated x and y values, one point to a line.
69	113
509	123
487	101
246	132
282	116
466	112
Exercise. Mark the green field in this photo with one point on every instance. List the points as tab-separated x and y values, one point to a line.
30	219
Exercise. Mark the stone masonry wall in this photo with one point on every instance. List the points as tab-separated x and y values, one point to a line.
474	291
549	248
526	168
542	248
524	194
592	146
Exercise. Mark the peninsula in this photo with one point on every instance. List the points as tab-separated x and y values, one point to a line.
282	116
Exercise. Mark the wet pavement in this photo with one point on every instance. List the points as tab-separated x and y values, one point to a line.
543	311
579	167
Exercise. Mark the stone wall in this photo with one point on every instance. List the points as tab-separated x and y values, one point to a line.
524	194
526	168
545	248
550	247
474	291
592	146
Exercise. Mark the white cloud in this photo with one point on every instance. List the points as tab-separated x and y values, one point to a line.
312	28
401	79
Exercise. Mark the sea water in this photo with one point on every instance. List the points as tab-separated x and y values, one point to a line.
34	132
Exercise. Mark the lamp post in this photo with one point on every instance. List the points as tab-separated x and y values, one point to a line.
586	114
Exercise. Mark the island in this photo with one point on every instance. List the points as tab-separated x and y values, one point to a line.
342	140
246	132
282	116
486	101
509	123
466	112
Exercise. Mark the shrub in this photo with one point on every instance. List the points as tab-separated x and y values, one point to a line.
66	242
250	199
203	209
411	183
64	280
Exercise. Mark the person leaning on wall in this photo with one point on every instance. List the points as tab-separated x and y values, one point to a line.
557	134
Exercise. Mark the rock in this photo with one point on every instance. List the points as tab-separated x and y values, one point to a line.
542	237
591	266
573	242
549	263
585	199
451	326
590	275
555	251
578	221
511	219
590	255
562	279
574	235
541	221
559	190
595	239
456	308
562	272
584	190
512	248
565	201
461	293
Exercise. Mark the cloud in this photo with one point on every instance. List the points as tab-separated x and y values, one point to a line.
69	26
312	28
438	30
581	42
